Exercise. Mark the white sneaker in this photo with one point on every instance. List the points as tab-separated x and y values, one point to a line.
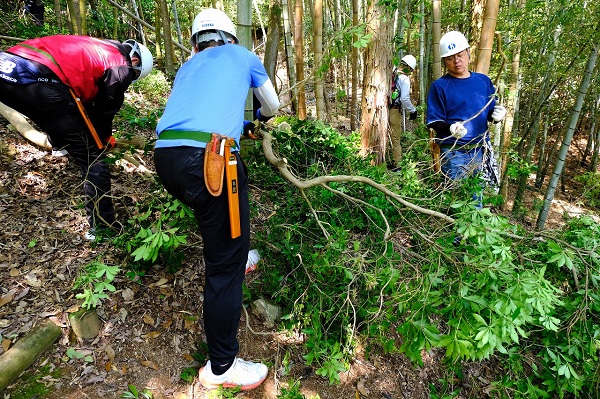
59	153
90	235
252	262
243	374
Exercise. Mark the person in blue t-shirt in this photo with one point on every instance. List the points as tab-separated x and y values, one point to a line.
209	96
459	106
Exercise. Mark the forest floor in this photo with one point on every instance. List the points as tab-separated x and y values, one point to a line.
151	328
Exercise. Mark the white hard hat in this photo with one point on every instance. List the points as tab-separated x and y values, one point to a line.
410	61
145	56
453	43
216	22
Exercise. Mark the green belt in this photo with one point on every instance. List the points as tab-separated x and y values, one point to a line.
466	147
202	137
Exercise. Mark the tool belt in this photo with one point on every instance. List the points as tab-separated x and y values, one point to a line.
201	137
219	162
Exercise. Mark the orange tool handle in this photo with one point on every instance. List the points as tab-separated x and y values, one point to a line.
232	190
87	120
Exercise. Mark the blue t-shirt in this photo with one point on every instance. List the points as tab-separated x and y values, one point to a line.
452	100
209	94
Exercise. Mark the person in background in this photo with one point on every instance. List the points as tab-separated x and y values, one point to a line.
208	96
460	105
36	9
41	78
400	100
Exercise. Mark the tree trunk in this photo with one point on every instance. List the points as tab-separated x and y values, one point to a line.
354	98
421	82
374	117
244	34
289	54
437	35
299	56
168	40
140	27
484	53
147	25
57	14
160	58
83	17
273	39
25	352
596	153
177	28
71	17
475	31
512	105
23	127
583	88
318	54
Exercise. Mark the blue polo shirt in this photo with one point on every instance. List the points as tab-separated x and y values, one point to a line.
209	94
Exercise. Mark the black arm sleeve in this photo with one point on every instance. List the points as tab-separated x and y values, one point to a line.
441	128
110	97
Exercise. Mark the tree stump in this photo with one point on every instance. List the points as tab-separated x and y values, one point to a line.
85	323
23	353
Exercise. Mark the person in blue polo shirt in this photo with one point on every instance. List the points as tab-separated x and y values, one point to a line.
459	106
208	96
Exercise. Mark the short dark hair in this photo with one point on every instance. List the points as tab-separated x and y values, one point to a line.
204	45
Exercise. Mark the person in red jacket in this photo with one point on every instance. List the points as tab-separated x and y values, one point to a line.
42	78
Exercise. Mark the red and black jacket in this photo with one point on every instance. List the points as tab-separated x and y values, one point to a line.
98	71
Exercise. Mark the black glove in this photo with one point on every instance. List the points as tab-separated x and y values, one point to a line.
413	116
249	129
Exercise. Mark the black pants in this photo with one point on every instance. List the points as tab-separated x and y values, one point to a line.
182	174
52	108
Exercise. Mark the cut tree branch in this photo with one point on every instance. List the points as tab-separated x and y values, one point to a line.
324	181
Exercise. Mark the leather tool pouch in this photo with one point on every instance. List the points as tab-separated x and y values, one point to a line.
214	166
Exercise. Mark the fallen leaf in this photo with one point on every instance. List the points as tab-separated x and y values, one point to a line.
14	272
150	364
360	386
188	357
21	294
148	320
160	282
5	344
7	297
127	294
189	323
110	352
108	366
73	309
152	334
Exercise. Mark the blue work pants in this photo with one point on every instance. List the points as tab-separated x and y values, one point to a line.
460	163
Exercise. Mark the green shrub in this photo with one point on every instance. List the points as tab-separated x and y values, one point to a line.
156	230
501	293
591	188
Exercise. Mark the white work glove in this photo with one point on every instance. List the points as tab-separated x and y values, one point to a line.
499	113
458	130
